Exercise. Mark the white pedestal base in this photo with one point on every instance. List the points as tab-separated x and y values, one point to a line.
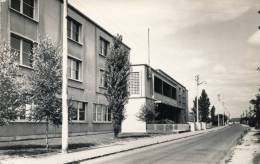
197	126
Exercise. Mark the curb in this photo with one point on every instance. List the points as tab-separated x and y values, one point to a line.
143	146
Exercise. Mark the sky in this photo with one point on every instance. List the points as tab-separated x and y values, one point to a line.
217	39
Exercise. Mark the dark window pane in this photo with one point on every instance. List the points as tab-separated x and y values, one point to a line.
157	85
75	30
166	89
77	70
81	111
105	113
29	2
15	4
174	93
28	6
109	114
27	53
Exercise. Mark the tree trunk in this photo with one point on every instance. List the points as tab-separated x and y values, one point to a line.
46	134
117	128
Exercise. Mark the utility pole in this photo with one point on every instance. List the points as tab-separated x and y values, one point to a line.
219	106
198	83
65	120
258	69
149	47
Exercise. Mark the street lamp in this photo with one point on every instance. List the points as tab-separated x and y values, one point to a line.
198	83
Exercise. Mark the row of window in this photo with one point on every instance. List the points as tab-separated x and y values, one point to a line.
79	112
27	7
74	33
164	88
24	49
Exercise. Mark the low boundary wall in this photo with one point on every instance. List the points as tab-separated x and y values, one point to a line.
167	128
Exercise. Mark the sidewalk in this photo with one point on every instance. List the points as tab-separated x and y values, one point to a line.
248	151
120	146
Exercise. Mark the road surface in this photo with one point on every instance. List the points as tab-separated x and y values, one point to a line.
208	148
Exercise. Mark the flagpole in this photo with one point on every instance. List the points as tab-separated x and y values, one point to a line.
65	123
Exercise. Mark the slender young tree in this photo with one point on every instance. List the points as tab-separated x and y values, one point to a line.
194	109
11	93
212	113
46	84
204	105
117	72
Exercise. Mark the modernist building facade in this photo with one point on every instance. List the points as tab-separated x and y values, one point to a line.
24	22
150	85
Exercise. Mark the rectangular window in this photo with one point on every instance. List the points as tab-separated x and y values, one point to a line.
101	113
25	111
166	89
102	80
73	29
24	49
78	110
26	7
82	111
74	69
103	50
74	110
158	85
134	83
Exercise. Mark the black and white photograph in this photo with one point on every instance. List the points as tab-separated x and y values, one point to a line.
129	82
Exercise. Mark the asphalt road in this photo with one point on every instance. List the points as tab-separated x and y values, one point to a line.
208	148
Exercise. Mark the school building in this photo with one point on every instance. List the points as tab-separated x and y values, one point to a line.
23	23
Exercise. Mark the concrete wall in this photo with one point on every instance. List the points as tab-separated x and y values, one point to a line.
132	123
167	128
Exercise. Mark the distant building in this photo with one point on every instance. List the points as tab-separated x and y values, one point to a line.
235	120
23	23
150	85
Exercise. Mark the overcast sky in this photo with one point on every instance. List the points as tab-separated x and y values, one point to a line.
217	39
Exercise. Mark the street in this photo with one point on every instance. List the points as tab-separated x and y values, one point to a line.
209	148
